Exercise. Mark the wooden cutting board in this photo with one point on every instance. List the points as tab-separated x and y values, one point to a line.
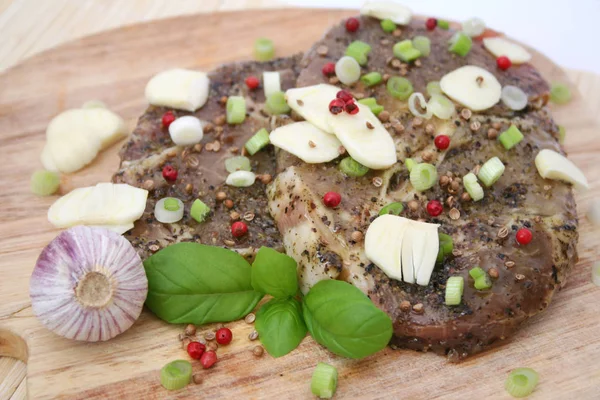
562	344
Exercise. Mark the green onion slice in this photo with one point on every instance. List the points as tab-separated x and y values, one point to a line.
491	171
416	110
481	278
259	140
560	93
441	106
510	137
276	104
473	187
372	104
521	382
514	97
359	51
264	50
44	183
399	87
410	163
434	87
324	381
460	44
388	25
562	133
236	109
351	167
405	51
199	210
476	272
473	27
423	176
443	24
371	79
237	163
423	44
446	247
392	208
171	204
454	290
168	210
176	374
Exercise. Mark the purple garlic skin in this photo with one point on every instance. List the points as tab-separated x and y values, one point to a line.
88	284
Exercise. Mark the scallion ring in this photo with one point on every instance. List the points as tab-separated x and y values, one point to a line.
513	97
491	171
455	286
258	141
199	210
423	44
560	93
441	106
392	208
176	375
521	382
241	179
414	108
410	163
168	210
276	104
237	163
473	187
351	167
236	110
446	247
399	87
434	87
423	176
264	50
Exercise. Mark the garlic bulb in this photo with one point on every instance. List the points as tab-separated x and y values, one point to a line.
88	284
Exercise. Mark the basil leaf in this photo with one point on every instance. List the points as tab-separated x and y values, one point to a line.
340	317
280	326
274	273
197	284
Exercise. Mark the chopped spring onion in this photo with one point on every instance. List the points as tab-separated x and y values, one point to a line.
434	87
521	382
371	79
510	137
276	104
176	375
410	163
481	278
347	70
237	163
562	133
460	44
44	183
443	24
491	171
236	109
414	109
595	274
241	179
513	97
199	210
169	215
423	176
359	51
441	106
324	381
473	187
473	27
399	87
351	167
454	290
392	208
446	247
372	104
259	140
264	50
405	51
560	93
388	25
271	82
423	44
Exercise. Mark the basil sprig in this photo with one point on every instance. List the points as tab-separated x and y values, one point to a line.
274	273
198	284
280	326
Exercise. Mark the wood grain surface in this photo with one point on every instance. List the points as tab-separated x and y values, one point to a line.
562	344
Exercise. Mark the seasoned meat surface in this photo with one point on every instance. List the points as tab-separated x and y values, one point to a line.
328	243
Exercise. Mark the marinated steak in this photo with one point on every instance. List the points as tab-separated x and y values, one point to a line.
201	169
328	243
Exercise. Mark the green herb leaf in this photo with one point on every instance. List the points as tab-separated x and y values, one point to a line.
197	284
340	317
274	273
280	326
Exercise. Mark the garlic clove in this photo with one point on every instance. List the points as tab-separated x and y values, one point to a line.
312	103
473	87
552	165
88	284
178	88
499	46
387	10
271	83
186	130
307	142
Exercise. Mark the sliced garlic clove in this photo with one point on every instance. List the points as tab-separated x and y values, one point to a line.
432	247
387	10
105	124
364	138
73	150
383	244
473	87
499	46
347	70
186	130
307	142
271	83
552	165
178	88
312	103
88	284
408	248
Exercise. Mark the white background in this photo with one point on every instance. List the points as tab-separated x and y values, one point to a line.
566	31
